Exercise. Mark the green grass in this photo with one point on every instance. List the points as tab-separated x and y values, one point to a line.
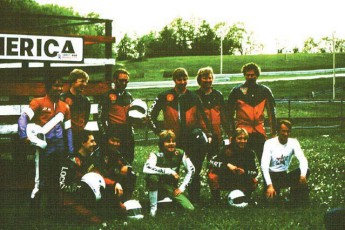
299	89
324	150
153	68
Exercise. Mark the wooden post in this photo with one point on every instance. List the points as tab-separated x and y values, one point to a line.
108	50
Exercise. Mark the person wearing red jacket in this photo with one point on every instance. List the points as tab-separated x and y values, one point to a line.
249	101
184	114
233	167
214	107
79	104
113	113
54	119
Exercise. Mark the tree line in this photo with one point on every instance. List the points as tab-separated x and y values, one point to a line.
189	38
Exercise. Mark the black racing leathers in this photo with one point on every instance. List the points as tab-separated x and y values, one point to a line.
80	112
249	104
113	117
182	113
215	110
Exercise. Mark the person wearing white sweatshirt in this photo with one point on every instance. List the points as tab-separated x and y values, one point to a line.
275	162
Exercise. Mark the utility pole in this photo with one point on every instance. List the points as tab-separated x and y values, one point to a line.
333	44
221	55
221	33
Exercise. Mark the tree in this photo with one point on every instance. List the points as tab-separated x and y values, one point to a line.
146	45
310	46
234	38
183	33
125	48
205	42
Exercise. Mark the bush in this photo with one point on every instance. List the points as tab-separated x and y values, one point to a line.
167	74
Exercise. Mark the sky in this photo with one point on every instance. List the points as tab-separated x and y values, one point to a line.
274	23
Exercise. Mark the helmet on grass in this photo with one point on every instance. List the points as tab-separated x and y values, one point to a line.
237	198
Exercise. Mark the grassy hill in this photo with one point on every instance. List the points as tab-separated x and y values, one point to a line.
154	68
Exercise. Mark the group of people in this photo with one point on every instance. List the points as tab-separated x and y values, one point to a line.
197	126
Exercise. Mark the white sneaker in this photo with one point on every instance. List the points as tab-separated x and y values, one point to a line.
165	200
153	211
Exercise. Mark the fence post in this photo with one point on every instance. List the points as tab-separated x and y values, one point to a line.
146	126
289	109
341	113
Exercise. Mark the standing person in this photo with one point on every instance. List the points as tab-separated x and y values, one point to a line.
162	170
54	115
276	159
234	167
113	113
79	104
214	107
248	101
184	114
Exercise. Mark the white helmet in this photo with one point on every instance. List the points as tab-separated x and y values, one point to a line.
95	182
133	209
237	199
137	109
36	135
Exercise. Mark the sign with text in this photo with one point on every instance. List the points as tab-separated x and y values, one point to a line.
41	48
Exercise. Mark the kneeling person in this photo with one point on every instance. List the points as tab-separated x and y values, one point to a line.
162	171
116	170
75	191
275	162
234	167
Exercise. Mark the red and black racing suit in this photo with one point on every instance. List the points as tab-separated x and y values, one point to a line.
221	178
215	110
80	112
112	166
77	197
113	115
249	103
40	111
183	113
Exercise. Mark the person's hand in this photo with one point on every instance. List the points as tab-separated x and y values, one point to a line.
231	167
124	170
177	192
25	141
118	189
239	171
302	181
175	175
230	139
270	192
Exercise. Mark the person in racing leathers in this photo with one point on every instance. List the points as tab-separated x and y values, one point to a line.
79	104
233	167
184	114
44	110
113	113
214	107
162	172
249	101
118	177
